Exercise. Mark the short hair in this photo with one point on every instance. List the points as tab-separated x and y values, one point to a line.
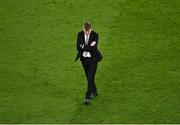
87	25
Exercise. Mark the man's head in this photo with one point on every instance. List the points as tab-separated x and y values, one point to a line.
87	27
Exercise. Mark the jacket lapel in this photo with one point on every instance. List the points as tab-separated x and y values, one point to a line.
90	37
83	38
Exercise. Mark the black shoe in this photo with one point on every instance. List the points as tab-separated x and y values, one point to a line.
86	101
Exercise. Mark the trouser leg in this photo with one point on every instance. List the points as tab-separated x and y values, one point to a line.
91	76
85	67
90	71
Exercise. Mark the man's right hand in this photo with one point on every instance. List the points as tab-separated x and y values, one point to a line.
82	46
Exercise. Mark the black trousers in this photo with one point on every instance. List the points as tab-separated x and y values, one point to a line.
90	68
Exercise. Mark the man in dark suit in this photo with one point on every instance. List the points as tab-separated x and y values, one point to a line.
87	47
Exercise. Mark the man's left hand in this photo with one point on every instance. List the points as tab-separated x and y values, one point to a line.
93	43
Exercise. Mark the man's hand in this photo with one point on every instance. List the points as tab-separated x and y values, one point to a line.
93	43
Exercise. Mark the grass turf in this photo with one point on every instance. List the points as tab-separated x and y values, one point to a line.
138	79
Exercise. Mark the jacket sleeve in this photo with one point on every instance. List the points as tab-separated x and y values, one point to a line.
78	47
88	47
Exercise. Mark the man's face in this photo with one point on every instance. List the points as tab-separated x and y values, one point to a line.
87	31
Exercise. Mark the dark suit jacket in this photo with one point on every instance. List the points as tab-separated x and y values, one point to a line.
95	53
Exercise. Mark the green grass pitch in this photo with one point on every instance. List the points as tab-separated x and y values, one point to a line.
138	79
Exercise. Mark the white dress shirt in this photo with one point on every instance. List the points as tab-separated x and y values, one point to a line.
86	53
86	36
